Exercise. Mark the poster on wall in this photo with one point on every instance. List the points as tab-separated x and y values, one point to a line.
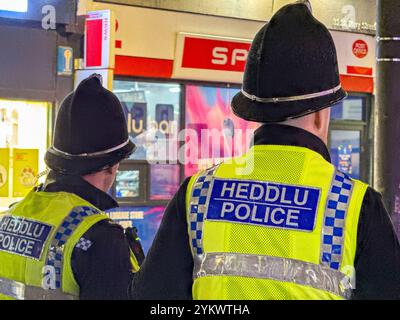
25	171
214	133
146	219
4	171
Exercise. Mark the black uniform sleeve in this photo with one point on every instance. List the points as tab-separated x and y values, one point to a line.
101	265
377	260
167	270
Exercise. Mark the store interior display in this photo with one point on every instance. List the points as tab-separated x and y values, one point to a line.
127	184
23	144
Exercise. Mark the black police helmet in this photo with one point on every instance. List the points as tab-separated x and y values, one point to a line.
90	132
291	70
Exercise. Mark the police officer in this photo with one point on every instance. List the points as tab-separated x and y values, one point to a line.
57	243
283	223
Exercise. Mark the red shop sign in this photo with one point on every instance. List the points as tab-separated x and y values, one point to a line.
212	54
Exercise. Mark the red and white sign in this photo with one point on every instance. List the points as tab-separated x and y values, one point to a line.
360	49
99	40
212	58
204	57
148	46
356	56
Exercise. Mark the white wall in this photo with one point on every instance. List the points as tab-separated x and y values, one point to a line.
152	33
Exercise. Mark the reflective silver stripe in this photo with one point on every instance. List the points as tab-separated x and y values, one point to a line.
93	154
388	59
273	268
387	39
293	98
36	293
13	289
20	291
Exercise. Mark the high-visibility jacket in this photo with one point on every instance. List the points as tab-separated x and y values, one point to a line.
37	238
280	222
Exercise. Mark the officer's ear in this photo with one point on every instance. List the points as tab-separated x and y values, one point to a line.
322	119
321	123
112	170
318	120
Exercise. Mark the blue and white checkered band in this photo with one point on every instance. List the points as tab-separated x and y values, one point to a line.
333	229
198	207
65	230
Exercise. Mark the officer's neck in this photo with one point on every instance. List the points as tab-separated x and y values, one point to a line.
316	123
102	180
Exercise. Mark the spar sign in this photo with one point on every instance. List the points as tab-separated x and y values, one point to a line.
206	57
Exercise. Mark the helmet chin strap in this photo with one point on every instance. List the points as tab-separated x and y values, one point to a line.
307	3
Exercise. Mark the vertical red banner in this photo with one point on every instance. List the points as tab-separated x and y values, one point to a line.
94	43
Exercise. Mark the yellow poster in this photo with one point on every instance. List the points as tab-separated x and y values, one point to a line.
4	171
25	171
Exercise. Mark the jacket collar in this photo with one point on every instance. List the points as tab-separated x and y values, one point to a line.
278	134
77	185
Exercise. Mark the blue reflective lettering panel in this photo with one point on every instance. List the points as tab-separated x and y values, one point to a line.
23	236
264	204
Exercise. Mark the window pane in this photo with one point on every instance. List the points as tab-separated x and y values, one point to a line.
152	113
345	151
164	181
213	131
127	184
145	219
349	109
23	144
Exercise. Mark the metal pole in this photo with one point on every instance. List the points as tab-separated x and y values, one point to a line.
387	111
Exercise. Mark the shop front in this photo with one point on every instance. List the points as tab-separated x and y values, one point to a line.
37	69
23	144
176	74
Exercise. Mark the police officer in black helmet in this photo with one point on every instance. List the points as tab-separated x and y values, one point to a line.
79	253
236	234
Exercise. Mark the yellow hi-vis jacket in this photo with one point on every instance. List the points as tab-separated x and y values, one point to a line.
277	223
37	238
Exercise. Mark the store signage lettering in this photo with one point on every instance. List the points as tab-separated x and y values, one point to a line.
349	22
360	49
203	53
221	56
136	126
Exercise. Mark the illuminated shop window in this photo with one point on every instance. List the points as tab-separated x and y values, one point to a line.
127	184
212	126
345	151
164	181
24	135
152	113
